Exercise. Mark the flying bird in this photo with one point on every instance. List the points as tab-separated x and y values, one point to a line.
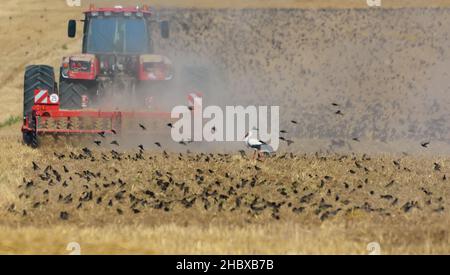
142	127
425	144
158	144
98	142
114	142
288	141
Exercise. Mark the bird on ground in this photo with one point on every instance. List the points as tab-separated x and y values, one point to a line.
170	125
35	166
64	215
437	166
259	146
141	147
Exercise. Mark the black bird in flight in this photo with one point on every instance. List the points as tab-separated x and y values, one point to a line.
142	127
114	131
339	112
294	122
288	141
98	142
170	125
425	144
114	142
102	134
158	144
335	104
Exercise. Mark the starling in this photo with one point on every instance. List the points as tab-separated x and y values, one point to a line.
425	144
114	142
64	215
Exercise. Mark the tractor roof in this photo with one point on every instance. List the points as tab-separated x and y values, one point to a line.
119	9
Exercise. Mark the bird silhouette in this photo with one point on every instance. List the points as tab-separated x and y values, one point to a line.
35	166
114	142
64	215
425	144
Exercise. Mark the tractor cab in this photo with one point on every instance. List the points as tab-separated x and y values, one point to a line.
118	30
117	57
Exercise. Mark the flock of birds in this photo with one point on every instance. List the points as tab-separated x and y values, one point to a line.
385	69
142	182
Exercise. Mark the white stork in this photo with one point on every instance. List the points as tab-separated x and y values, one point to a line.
259	146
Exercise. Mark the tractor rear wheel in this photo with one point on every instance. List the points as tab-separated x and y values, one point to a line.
37	77
70	94
40	77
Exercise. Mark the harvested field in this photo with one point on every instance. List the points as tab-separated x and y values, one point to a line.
350	178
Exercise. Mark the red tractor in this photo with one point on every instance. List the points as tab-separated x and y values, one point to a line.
117	70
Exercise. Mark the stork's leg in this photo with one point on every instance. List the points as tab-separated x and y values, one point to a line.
260	156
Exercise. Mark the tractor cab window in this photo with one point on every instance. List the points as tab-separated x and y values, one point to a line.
122	35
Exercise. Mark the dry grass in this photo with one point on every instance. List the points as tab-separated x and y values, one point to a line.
364	216
101	229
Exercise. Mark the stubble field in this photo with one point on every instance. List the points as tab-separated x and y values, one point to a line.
347	181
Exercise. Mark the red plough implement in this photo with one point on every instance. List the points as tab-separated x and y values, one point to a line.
47	118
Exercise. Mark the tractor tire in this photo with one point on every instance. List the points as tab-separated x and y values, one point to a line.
70	94
36	77
40	77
